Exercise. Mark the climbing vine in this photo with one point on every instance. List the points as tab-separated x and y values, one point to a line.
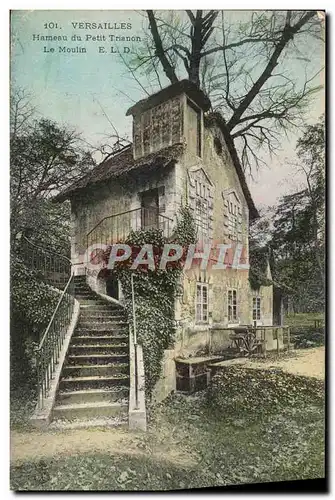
155	292
258	259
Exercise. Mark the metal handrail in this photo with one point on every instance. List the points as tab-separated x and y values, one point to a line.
55	311
49	348
47	250
54	267
134	340
123	213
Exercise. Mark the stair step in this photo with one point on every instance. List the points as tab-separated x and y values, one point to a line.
102	316
101	325
97	340
89	410
93	349
119	394
85	295
98	359
100	307
95	370
101	332
91	302
94	382
105	422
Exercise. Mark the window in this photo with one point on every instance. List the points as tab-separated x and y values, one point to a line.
193	129
256	308
202	303
150	209
201	218
232	216
232	306
233	221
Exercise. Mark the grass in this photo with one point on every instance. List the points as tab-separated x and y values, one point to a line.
227	445
22	404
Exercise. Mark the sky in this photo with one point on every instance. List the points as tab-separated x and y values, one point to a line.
79	89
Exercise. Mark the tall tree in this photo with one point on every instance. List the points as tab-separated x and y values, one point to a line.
242	64
298	237
45	158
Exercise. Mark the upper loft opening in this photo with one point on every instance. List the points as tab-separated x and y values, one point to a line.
173	115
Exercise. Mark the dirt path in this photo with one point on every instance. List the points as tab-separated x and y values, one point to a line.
37	445
306	362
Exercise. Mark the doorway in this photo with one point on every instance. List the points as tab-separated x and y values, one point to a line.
112	287
150	209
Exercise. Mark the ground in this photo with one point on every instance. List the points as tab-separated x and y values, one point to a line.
187	445
305	362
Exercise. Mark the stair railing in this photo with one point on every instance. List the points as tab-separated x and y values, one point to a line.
135	341
56	271
117	227
50	346
55	268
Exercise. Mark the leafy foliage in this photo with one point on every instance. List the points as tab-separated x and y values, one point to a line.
258	258
31	307
292	234
307	336
45	158
298	246
239	391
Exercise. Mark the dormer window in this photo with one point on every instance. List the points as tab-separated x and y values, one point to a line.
232	216
193	128
234	221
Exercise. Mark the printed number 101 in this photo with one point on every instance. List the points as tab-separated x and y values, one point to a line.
50	26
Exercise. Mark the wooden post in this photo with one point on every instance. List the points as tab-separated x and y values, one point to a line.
209	341
288	338
277	341
264	342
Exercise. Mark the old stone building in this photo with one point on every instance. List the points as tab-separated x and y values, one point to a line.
181	155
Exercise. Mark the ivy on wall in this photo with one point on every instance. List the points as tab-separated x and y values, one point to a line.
155	292
258	259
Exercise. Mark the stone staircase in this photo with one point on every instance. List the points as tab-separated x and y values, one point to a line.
94	383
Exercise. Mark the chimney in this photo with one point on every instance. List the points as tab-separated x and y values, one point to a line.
173	115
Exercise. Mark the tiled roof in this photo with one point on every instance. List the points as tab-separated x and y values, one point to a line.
121	164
